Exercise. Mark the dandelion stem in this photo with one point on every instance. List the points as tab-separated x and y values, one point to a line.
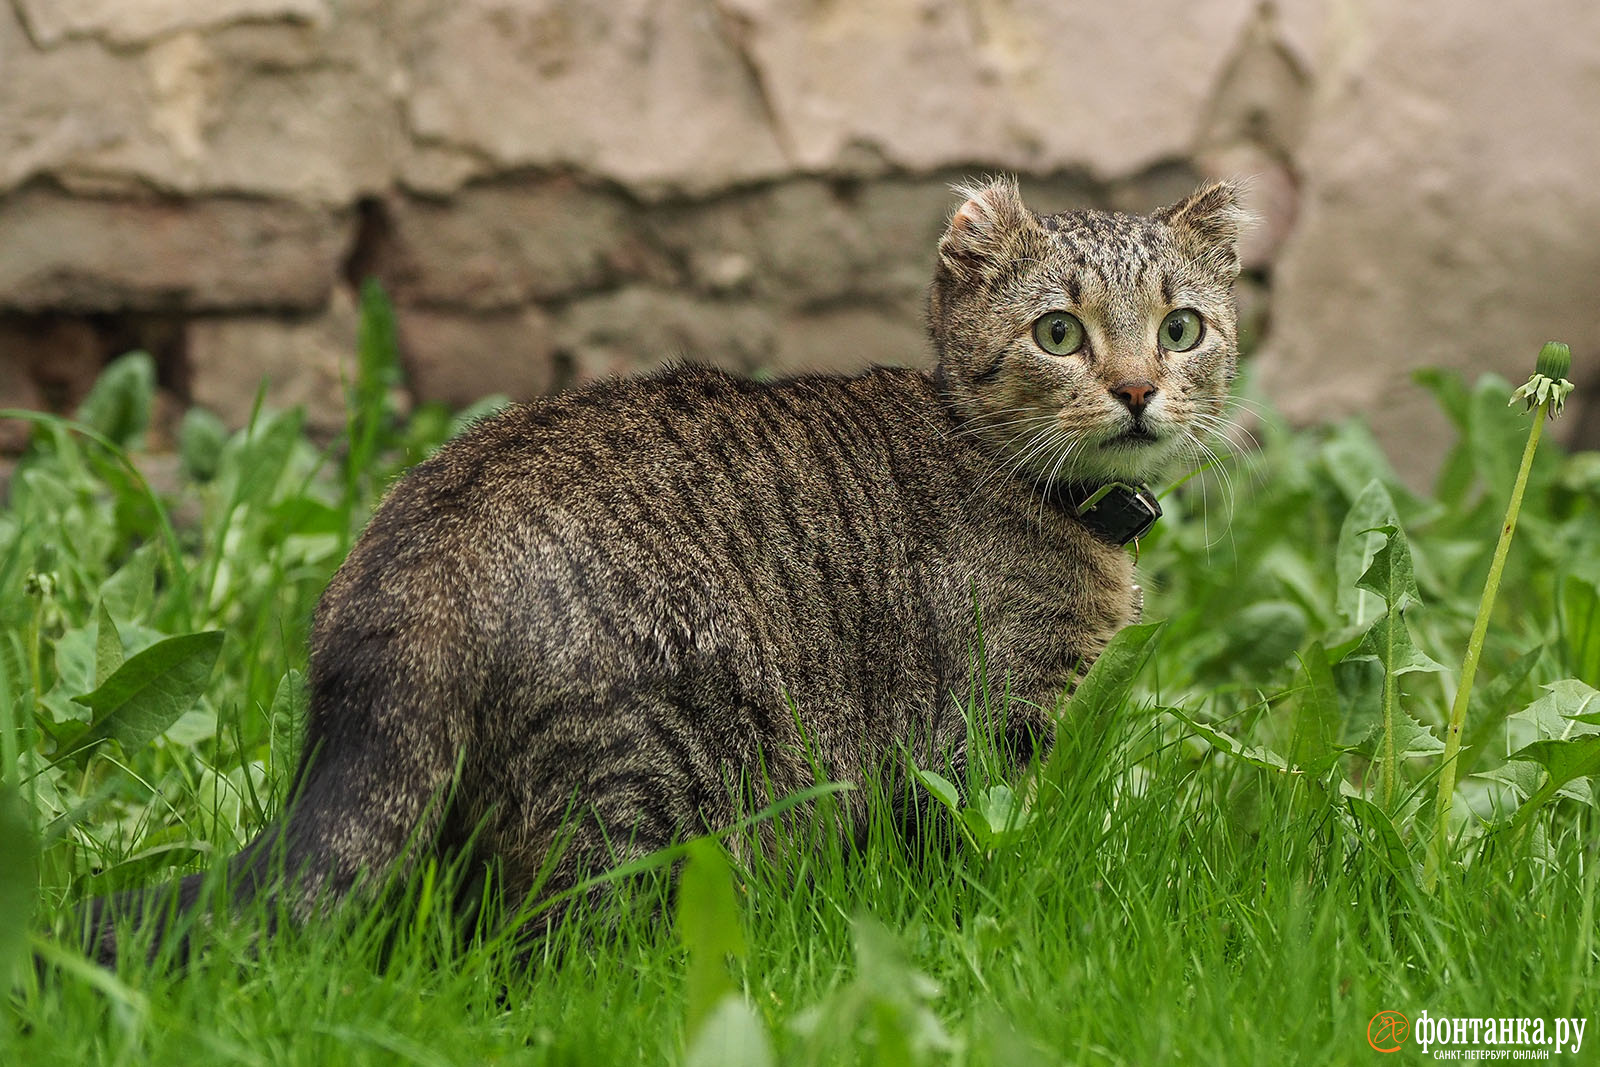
1469	666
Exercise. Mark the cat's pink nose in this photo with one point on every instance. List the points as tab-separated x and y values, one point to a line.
1136	394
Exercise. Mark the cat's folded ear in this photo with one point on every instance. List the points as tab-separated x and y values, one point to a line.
1209	222
985	227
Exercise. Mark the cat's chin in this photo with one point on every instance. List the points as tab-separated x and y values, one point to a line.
1134	439
1136	455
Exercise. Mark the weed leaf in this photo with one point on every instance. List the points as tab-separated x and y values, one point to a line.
1580	628
1254	755
1381	834
1355	461
708	925
1495	433
58	827
289	703
1001	811
1107	685
201	439
1490	705
1360	685
888	1004
107	646
1259	638
1390	574
119	402
1083	730
377	369
263	454
131	591
941	787
998	818
1358	543
1389	642
731	1036
1564	710
1316	715
1563	761
1450	391
75	662
1412	738
146	694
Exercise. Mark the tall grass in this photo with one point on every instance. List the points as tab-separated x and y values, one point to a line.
1219	862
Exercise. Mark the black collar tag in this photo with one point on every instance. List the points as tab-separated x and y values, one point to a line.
1118	513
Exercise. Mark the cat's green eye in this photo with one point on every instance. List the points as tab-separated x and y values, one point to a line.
1181	330
1058	333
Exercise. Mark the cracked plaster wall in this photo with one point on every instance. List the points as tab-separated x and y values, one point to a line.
558	189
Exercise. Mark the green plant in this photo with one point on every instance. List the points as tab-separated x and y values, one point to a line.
1545	393
1219	861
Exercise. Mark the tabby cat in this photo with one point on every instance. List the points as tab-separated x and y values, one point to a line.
596	609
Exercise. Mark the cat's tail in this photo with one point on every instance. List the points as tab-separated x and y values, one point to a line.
358	814
395	671
163	915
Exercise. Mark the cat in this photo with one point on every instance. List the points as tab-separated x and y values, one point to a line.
589	615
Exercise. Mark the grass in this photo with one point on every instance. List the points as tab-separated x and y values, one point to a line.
1221	862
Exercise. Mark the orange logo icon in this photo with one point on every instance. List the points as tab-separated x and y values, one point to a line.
1387	1031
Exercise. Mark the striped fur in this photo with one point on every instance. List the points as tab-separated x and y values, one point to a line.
596	608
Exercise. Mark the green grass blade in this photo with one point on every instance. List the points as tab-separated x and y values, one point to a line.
19	853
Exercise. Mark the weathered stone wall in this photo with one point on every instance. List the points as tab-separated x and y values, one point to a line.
558	189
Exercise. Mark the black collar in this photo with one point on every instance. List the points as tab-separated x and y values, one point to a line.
1115	512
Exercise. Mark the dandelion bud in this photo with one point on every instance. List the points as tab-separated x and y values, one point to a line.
1555	360
1548	387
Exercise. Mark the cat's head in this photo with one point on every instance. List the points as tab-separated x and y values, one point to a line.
1088	346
